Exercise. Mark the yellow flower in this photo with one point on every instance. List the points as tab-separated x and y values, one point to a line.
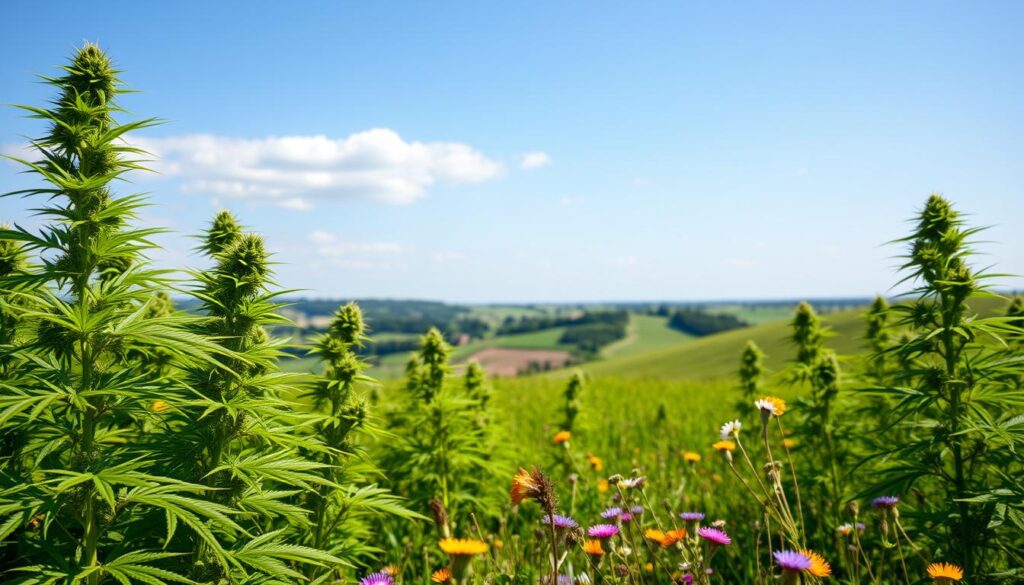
462	546
819	566
691	456
524	485
725	446
390	570
593	548
789	443
159	405
561	437
666	539
945	572
602	485
649	567
441	575
772	404
596	463
498	543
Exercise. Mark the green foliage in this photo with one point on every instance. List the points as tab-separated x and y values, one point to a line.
751	374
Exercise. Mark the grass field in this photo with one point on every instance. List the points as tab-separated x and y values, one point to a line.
645	333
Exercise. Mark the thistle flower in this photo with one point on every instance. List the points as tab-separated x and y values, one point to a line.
885	502
730	430
819	566
625	517
602	531
441	575
692	516
636	510
792	561
380	578
611	513
561	522
691	456
561	437
533	485
593	548
945	572
714	536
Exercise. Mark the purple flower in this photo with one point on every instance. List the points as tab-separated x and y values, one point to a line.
692	516
861	527
377	579
612	513
636	510
714	535
885	502
792	561
559	521
602	531
625	517
688	579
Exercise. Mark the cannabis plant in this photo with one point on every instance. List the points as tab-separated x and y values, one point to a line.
751	376
959	403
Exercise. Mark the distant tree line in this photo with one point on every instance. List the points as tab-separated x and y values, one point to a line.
700	323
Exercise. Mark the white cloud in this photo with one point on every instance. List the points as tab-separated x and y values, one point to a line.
329	248
535	160
290	171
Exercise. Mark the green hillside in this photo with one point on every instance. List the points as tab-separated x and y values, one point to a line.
645	333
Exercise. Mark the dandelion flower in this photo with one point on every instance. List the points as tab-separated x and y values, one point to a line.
819	566
602	531
596	463
945	572
390	570
562	522
462	546
789	443
885	502
691	456
602	485
792	561
561	437
725	446
771	405
730	430
714	535
441	575
593	548
380	578
159	406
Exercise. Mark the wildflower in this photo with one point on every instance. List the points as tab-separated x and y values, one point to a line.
602	485
636	510
692	516
945	572
561	437
819	566
789	443
649	567
730	430
462	551
725	446
596	463
633	482
847	529
791	561
602	531
391	570
611	513
885	502
559	521
159	406
533	485
441	575
672	536
499	543
381	578
593	548
772	405
691	456
714	535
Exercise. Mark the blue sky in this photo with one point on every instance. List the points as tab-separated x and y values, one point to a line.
557	151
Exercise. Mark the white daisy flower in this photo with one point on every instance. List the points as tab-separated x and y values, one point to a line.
766	406
730	430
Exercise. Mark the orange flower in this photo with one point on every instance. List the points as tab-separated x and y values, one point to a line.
593	548
819	566
524	486
159	405
666	539
390	570
441	575
649	567
945	572
602	485
596	463
691	456
725	446
789	443
561	437
498	543
462	546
